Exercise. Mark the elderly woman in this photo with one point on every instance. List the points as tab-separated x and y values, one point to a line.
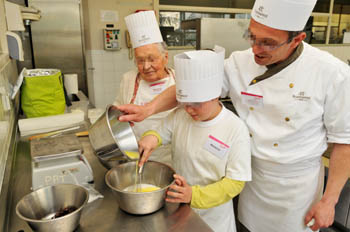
152	75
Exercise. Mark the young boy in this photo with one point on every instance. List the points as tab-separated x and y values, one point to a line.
210	145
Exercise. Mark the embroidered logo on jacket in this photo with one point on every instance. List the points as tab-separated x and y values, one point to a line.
301	96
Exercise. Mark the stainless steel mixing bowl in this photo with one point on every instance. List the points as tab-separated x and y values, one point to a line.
111	159
53	208
110	137
154	173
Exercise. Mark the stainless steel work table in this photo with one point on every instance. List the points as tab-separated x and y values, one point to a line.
102	214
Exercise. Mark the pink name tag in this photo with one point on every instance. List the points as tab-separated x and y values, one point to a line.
157	88
252	100
216	147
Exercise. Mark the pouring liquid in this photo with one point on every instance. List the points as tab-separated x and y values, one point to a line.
135	156
138	178
138	186
132	155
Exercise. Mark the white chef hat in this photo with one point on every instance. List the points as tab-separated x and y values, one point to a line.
288	15
199	75
143	28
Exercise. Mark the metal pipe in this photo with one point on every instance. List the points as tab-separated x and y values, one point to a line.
329	26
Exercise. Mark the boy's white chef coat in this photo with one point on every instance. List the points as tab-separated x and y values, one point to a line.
145	93
304	106
199	166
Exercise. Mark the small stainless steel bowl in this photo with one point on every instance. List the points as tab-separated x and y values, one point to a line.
111	159
110	137
54	208
154	173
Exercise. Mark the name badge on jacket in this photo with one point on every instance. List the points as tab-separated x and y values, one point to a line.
252	100
216	147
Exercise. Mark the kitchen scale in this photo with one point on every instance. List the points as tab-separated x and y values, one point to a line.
60	160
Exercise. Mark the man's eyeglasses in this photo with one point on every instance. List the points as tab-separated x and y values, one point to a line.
265	43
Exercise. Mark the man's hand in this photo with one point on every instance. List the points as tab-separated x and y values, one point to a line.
338	173
147	144
323	213
134	113
182	191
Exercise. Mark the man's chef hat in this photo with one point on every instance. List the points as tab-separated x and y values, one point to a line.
287	15
199	75
143	28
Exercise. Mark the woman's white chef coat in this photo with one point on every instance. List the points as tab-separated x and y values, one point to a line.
295	113
200	164
145	93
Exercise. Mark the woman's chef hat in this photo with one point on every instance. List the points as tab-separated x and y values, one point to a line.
199	75
143	28
287	15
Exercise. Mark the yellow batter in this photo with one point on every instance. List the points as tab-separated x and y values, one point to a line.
142	188
138	186
132	155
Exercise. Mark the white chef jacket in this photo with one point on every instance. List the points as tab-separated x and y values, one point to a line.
200	165
304	106
145	93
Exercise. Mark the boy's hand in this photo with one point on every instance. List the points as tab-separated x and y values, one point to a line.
147	144
182	192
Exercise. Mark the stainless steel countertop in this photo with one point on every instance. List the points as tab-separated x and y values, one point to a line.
102	214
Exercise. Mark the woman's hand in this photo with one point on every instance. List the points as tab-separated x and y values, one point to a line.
147	144
182	192
163	102
135	113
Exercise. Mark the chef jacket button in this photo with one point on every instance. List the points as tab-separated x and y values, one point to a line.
291	85
254	81
251	108
250	134
287	119
275	144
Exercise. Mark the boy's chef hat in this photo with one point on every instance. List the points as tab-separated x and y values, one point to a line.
143	28
199	75
287	15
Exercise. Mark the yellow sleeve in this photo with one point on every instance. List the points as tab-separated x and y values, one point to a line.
204	197
155	133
